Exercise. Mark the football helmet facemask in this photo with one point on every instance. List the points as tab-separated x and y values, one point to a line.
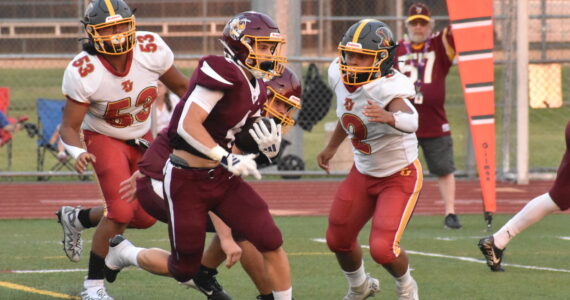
284	90
245	39
367	37
100	16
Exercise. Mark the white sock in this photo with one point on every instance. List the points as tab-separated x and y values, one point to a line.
91	283
404	279
130	253
356	278
531	213
283	295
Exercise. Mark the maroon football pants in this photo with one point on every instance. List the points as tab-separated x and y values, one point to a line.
191	193
149	194
560	191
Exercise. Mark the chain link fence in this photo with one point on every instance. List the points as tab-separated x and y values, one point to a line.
38	38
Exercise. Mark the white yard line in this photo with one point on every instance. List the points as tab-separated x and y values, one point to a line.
467	259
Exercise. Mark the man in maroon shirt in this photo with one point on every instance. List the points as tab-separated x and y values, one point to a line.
426	57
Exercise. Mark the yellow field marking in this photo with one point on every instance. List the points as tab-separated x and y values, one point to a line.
35	291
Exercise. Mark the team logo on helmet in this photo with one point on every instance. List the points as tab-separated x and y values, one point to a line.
418	10
237	26
385	37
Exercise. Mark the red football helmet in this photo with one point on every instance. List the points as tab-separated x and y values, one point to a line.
242	38
283	98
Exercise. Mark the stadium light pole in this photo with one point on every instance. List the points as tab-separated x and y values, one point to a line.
522	92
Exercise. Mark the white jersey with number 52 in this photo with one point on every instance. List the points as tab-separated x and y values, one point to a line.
119	104
379	149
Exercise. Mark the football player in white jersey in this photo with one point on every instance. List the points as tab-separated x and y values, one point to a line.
110	88
384	184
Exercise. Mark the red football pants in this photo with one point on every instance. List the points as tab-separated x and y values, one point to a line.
115	162
389	201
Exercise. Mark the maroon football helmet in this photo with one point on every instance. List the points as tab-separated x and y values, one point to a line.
243	36
283	98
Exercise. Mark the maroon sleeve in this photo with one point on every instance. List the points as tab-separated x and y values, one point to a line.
217	73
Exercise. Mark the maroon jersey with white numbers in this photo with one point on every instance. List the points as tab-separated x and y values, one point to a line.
437	58
560	191
241	100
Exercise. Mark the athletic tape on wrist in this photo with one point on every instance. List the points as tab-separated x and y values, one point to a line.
72	150
217	153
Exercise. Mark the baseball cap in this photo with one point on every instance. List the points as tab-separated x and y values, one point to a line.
418	11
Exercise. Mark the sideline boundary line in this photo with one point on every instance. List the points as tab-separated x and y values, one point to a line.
467	259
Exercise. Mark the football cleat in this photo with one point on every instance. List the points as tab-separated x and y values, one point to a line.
72	241
409	292
114	261
367	289
451	222
94	290
265	297
205	282
492	254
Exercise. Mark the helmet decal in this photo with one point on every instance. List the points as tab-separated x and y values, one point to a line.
237	26
354	45
113	18
385	37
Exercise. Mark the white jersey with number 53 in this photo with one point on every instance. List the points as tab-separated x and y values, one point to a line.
119	104
379	149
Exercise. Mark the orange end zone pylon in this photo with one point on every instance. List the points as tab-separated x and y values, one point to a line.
472	28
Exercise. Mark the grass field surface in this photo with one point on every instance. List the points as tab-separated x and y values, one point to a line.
447	264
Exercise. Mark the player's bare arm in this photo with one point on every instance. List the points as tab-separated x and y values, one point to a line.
73	115
175	81
329	151
229	246
192	124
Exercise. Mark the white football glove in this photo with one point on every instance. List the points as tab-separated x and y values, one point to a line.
241	165
267	142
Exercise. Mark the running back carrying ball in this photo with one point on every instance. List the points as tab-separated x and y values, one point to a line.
244	141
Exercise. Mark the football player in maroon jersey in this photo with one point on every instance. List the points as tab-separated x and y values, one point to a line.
202	174
284	93
426	57
555	200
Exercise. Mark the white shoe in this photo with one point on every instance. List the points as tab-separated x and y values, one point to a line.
408	292
94	290
367	289
115	259
72	241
